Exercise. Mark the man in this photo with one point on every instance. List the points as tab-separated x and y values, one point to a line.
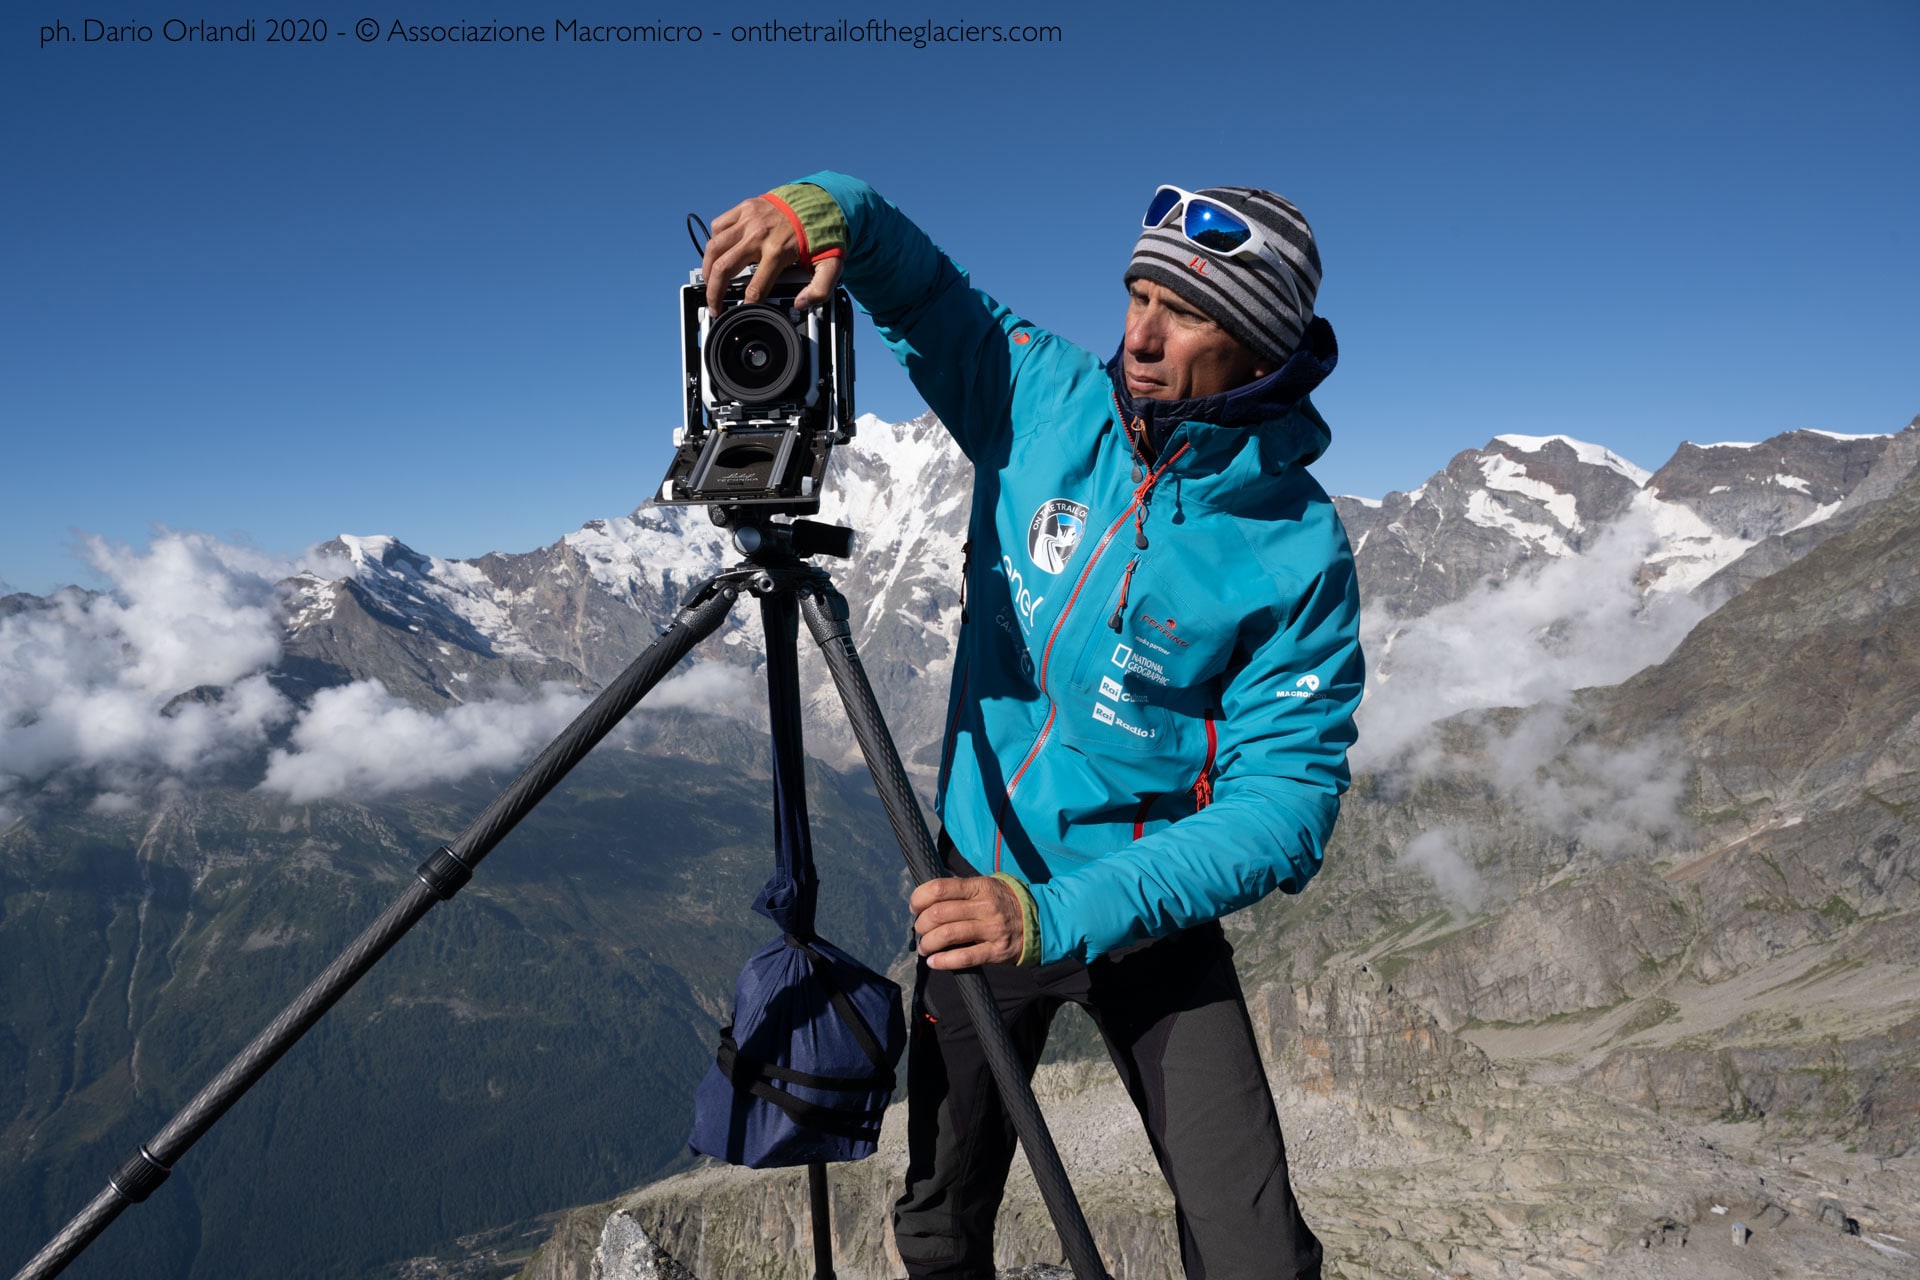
1153	690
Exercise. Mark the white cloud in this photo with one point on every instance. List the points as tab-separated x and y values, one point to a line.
95	681
1608	799
1437	853
163	674
1575	622
360	740
1605	801
199	611
710	686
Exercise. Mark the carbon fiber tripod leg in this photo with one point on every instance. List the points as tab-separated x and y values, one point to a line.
438	878
825	610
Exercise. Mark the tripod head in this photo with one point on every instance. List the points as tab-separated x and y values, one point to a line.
760	539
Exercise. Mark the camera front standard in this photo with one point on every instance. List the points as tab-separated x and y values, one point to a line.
769	392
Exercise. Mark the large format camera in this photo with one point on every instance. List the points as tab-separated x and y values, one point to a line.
768	394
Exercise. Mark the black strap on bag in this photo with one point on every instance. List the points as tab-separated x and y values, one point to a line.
752	1074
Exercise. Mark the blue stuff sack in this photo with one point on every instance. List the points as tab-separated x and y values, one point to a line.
806	1069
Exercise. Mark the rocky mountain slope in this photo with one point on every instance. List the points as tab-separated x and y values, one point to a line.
531	1043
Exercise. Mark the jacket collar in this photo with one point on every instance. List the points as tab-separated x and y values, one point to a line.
1268	405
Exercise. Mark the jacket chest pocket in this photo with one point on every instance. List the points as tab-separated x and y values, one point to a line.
1149	661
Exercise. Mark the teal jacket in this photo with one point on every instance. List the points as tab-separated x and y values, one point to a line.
1159	661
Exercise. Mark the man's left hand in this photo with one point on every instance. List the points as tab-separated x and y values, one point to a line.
966	921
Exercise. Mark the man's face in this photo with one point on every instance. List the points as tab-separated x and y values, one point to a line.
1174	352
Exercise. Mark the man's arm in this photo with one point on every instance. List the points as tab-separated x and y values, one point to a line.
966	353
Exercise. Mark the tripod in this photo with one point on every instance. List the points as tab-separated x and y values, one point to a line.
777	571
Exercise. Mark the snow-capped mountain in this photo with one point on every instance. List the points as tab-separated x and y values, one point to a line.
1521	501
436	631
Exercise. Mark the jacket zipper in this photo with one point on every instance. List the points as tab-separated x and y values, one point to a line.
1139	495
1203	785
1140	492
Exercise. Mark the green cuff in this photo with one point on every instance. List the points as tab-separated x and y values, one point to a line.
820	218
1029	919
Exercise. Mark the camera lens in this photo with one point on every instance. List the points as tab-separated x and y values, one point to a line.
754	355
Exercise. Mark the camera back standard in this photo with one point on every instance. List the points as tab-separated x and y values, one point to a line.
769	392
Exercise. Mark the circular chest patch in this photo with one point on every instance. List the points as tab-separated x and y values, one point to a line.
1054	532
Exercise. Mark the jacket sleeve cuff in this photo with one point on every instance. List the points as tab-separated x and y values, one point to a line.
1029	919
816	219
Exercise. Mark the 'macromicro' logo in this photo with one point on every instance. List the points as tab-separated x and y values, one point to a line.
1305	687
1054	532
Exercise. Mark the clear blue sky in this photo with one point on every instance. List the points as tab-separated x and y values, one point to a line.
280	292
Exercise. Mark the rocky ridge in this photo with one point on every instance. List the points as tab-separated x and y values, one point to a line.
1488	1175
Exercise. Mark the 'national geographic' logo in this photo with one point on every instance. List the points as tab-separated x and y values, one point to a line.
1054	532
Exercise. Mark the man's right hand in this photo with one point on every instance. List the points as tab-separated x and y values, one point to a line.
756	231
962	921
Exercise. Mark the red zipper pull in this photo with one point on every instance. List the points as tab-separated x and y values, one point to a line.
1120	610
1203	785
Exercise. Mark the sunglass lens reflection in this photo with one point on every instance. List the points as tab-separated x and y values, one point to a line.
1163	201
1211	227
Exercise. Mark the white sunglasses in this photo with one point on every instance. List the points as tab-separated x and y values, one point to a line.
1210	225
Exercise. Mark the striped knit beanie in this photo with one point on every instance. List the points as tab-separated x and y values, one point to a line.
1264	307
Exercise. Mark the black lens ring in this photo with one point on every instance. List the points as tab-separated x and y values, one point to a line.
754	322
